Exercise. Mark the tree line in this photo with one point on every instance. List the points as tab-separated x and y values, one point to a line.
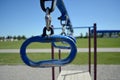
19	37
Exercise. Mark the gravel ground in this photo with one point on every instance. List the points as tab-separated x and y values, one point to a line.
23	72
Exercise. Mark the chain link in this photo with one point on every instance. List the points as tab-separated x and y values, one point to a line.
51	9
64	24
63	31
48	19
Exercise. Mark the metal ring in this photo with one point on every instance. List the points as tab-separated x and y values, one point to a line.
63	33
45	29
48	63
51	9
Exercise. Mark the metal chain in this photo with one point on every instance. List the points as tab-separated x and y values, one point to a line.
48	10
64	24
63	30
48	26
48	19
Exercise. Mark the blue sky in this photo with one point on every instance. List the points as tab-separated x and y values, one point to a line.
25	17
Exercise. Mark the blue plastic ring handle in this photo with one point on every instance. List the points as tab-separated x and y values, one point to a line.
64	47
73	38
48	63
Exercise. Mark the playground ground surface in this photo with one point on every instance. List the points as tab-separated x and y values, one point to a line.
108	68
23	72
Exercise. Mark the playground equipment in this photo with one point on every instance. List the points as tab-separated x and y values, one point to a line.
91	69
51	38
64	47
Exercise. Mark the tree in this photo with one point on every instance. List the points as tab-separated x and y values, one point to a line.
81	35
23	37
19	37
14	37
9	37
2	38
86	36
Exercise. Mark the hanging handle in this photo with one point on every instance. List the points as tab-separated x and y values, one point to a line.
49	39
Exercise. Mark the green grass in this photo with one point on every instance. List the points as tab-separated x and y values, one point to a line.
101	42
81	43
109	58
17	45
10	45
8	58
108	42
81	58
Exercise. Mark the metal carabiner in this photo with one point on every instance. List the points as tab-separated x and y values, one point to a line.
51	9
64	47
49	39
45	29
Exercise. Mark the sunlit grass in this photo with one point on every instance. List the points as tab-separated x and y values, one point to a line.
81	58
81	43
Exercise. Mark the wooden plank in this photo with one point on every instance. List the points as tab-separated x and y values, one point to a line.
74	75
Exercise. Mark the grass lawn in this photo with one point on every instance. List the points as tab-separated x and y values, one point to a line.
101	43
81	58
81	43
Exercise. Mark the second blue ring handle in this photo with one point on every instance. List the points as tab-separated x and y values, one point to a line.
64	47
49	39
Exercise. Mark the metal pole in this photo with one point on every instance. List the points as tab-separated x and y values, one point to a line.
95	52
59	58
89	54
52	57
